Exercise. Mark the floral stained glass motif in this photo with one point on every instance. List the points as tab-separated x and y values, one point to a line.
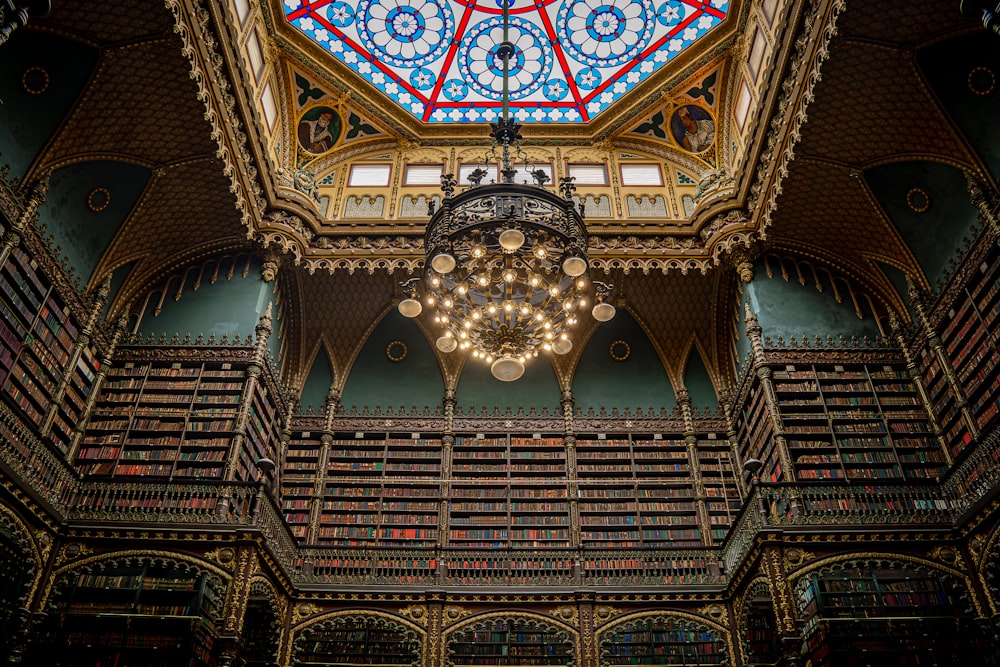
438	59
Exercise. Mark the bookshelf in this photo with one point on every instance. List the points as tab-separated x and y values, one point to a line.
512	641
867	614
38	336
509	491
261	631
847	421
141	614
373	488
969	325
357	640
759	627
176	419
663	640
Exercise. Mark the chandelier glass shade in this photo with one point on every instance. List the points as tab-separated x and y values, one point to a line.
505	274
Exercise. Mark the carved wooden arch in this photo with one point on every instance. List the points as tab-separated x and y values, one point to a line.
14	528
758	587
153	557
334	618
567	633
958	583
277	606
686	619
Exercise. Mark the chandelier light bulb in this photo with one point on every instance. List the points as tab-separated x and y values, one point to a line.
540	252
447	303
430	300
476	314
546	346
467	324
461	289
463	335
507	369
568	304
554	290
511	240
603	312
574	266
489	358
478	251
583	303
562	346
539	316
526	310
534	281
508	276
443	263
483	281
508	307
581	283
446	343
410	307
435	281
464	345
492	309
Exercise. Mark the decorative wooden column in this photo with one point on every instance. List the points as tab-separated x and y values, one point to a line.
734	444
785	609
234	609
763	372
330	409
919	302
14	235
589	650
917	380
82	341
254	368
691	442
572	487
447	448
95	388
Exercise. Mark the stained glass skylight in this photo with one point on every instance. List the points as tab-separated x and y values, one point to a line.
437	58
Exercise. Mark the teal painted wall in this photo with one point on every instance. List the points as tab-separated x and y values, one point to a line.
28	120
317	385
375	380
948	66
935	234
538	388
638	382
698	382
789	309
228	307
84	234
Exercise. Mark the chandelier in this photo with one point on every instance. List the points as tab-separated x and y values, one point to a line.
506	266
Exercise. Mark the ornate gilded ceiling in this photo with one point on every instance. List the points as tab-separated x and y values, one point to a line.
802	97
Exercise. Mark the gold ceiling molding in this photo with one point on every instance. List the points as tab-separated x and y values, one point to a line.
196	33
790	113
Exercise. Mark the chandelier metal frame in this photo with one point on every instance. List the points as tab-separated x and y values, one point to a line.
506	264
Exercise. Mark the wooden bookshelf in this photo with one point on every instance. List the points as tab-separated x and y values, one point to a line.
374	489
969	326
139	614
509	491
849	421
759	628
663	640
513	642
357	640
177	420
869	615
38	336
